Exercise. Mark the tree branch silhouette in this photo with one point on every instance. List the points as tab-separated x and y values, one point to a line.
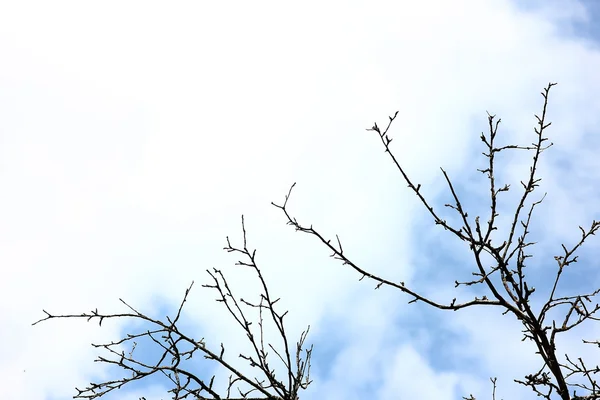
512	291
177	347
504	281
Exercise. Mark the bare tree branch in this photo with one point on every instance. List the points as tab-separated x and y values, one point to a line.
177	347
504	282
514	292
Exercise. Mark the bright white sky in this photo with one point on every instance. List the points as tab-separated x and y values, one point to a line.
133	135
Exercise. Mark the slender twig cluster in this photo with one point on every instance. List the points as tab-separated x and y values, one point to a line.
511	291
177	347
504	282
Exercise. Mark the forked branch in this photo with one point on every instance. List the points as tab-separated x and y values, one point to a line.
177	347
511	291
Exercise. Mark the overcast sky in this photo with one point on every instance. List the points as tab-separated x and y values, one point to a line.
133	136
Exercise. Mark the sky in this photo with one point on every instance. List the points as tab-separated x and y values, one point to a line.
134	135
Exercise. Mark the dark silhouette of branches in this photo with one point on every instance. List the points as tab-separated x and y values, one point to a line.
177	347
511	291
499	268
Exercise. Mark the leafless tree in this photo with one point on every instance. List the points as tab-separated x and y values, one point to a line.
499	269
511	291
176	347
